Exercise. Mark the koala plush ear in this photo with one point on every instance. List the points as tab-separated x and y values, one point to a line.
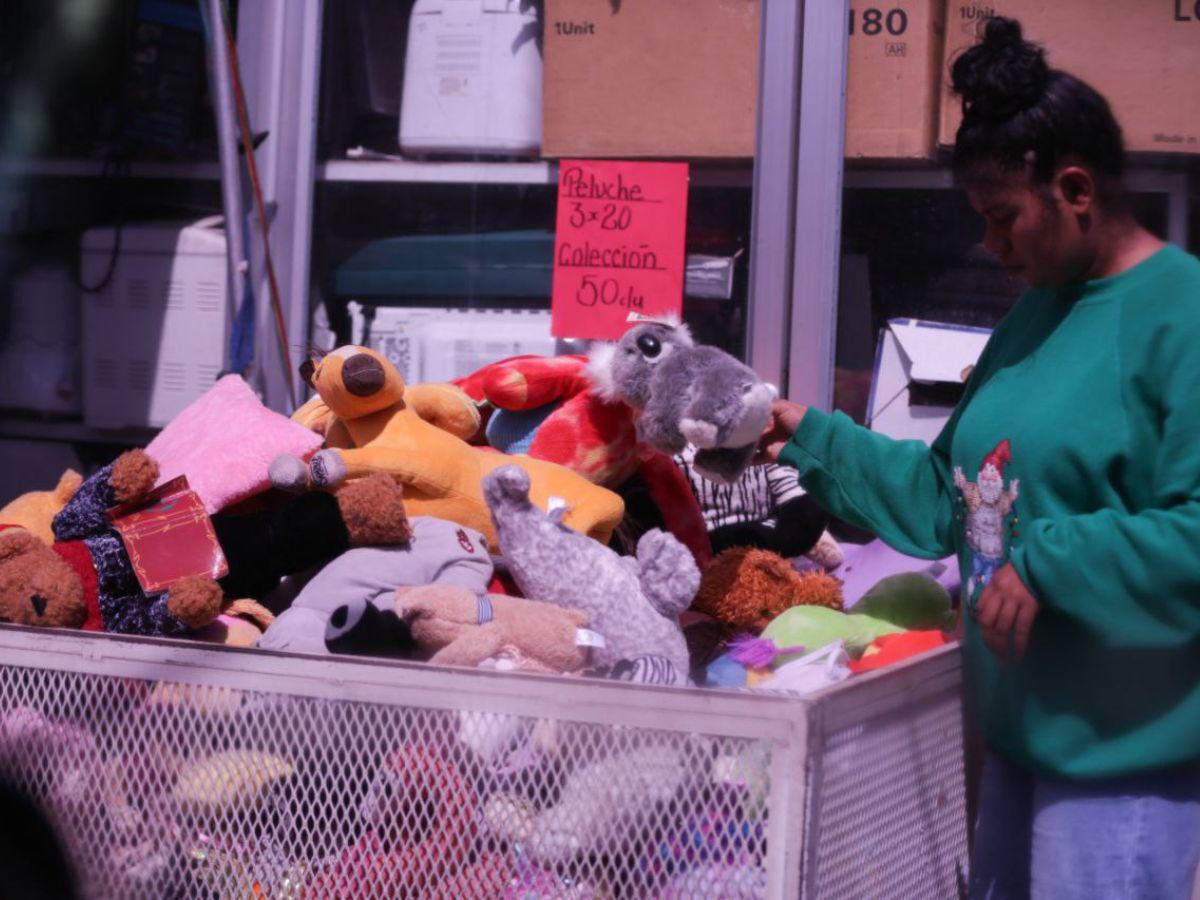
683	334
16	541
600	372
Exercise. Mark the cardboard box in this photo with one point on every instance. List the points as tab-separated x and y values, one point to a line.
893	82
920	368
1143	55
650	78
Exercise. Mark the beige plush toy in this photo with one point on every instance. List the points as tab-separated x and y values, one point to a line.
240	624
35	510
464	630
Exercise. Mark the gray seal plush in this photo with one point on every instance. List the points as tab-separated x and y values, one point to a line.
634	603
686	393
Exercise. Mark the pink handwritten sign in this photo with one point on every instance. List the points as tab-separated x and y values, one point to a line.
618	250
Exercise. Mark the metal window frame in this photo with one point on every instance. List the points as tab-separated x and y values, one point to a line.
797	217
281	75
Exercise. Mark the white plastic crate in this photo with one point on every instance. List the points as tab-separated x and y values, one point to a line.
436	344
176	770
154	337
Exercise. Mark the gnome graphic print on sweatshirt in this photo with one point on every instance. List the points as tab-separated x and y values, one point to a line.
988	510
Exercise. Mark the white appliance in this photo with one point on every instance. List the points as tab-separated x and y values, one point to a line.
472	79
915	354
39	355
432	344
154	338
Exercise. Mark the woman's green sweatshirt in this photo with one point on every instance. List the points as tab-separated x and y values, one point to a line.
1074	455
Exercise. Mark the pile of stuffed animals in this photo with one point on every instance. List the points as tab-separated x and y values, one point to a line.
482	524
527	518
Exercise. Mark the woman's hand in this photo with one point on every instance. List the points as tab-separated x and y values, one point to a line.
785	419
1006	610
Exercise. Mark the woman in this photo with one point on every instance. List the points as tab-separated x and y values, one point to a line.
1068	483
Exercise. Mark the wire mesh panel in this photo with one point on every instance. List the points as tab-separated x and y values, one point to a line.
173	771
887	790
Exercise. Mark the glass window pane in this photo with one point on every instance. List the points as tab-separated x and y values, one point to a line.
379	198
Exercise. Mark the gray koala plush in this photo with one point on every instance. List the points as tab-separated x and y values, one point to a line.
684	393
634	603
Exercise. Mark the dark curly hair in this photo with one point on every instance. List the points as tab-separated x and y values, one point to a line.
1020	114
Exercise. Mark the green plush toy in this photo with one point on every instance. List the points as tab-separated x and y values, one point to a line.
905	602
811	627
910	601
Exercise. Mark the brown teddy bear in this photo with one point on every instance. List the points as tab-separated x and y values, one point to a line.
745	588
85	579
463	630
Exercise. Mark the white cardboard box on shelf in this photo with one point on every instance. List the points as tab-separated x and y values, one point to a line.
472	79
154	335
429	343
917	366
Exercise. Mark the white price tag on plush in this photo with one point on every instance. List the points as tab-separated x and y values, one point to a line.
586	638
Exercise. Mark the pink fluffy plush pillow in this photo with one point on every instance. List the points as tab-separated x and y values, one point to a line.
224	441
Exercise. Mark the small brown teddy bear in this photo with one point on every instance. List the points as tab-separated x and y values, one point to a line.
85	579
59	584
464	630
745	588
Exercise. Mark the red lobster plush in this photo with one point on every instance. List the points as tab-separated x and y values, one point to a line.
544	406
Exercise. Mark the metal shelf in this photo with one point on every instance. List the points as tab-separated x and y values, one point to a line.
1147	175
90	168
540	172
417	172
1142	178
17	427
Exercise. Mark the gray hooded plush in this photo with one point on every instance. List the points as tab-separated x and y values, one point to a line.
684	393
633	603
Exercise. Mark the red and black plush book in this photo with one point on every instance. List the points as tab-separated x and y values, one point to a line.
169	536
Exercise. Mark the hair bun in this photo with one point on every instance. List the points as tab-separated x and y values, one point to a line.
1001	75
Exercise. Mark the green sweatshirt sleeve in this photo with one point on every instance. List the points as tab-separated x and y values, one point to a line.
901	490
1135	577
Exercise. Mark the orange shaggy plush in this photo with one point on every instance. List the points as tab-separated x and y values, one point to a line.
746	588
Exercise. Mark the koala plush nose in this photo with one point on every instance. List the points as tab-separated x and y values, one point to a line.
362	375
39	604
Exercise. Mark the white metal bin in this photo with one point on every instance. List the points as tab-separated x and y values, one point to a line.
177	770
154	334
